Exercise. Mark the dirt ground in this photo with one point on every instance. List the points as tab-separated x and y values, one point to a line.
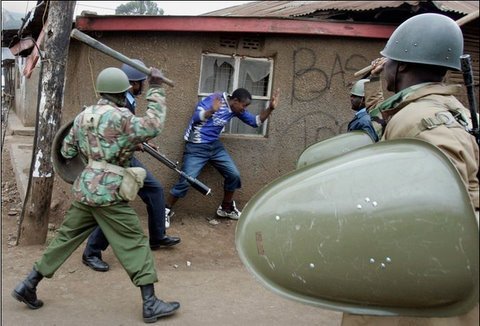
203	273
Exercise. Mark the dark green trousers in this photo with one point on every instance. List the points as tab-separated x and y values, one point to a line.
122	228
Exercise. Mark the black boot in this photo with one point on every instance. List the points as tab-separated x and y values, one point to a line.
154	308
166	241
26	291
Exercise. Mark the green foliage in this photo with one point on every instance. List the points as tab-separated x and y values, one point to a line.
139	8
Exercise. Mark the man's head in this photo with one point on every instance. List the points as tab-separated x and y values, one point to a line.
422	49
135	77
239	100
357	95
112	83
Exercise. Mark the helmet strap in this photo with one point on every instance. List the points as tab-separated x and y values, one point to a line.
395	77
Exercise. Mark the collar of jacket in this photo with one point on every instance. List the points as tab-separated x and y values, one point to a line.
105	101
361	112
395	103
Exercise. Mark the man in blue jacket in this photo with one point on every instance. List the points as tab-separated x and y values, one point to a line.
362	120
202	144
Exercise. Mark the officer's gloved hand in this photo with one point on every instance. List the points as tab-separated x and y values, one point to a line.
156	77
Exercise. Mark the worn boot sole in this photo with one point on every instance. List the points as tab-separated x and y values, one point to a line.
155	318
22	299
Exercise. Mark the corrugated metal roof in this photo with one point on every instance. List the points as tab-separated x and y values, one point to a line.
302	8
464	7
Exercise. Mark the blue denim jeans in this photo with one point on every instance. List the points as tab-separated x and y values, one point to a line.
152	195
196	156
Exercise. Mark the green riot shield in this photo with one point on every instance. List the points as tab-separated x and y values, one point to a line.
67	169
333	147
387	229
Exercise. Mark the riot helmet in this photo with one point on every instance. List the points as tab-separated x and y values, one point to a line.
430	39
132	73
358	89
112	81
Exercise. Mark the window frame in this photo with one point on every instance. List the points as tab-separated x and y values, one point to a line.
235	84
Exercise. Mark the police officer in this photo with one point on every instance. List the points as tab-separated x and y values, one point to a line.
362	120
151	193
418	55
108	134
423	107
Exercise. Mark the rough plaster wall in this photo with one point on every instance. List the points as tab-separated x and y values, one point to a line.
26	98
313	74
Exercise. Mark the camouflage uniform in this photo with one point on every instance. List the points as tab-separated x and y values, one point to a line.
417	112
413	113
96	190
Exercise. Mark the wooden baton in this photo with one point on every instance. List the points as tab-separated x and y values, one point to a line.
82	37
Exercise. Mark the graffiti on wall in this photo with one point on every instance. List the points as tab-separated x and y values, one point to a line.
312	83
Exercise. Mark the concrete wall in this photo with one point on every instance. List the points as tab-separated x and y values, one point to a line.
26	94
313	74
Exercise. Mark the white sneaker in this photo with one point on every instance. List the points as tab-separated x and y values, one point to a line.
168	215
234	214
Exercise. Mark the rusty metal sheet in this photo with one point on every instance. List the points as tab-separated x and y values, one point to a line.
302	8
464	7
233	24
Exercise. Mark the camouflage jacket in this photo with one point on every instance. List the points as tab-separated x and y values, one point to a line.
415	112
114	141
